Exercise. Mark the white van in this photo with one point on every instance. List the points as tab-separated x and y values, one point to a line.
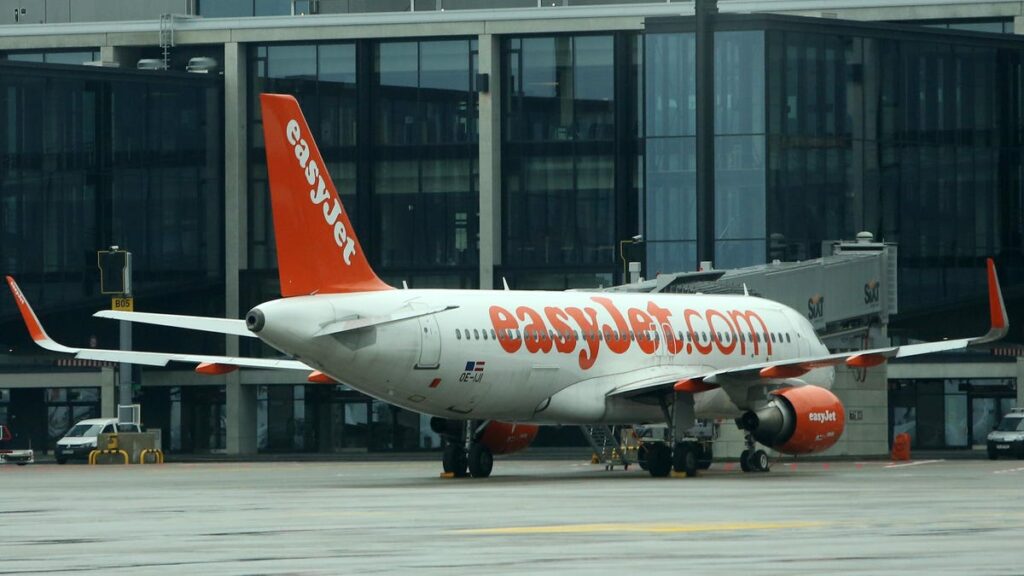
80	440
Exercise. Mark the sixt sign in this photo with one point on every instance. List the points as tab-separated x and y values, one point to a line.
816	307
871	295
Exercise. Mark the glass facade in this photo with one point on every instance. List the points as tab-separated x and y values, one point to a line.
333	419
915	141
397	125
951	413
670	209
425	159
569	154
93	158
821	133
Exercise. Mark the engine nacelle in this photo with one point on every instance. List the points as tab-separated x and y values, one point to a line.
505	438
798	420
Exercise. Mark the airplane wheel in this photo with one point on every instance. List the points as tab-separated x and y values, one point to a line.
481	461
745	461
759	461
641	457
453	460
684	459
659	460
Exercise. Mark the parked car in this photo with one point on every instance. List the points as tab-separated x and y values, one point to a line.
1008	437
8	453
81	439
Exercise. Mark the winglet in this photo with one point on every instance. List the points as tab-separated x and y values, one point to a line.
1000	321
35	328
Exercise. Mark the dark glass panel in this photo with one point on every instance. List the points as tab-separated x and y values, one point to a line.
739	82
594	90
274	7
670	230
224	8
671	97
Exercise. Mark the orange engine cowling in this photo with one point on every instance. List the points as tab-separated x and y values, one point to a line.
505	438
798	420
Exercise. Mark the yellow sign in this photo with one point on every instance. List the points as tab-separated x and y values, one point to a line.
122	304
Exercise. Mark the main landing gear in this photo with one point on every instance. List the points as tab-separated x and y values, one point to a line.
687	457
462	454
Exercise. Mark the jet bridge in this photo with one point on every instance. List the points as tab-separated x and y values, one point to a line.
847	295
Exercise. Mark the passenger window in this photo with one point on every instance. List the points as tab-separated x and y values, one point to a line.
476	334
493	337
485	333
787	338
773	337
458	334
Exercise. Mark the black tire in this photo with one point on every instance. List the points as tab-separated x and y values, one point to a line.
641	457
481	461
659	460
745	461
453	460
62	459
759	461
684	459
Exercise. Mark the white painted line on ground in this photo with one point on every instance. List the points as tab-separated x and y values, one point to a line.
1008	471
917	463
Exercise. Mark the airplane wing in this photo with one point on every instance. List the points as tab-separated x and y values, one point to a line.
766	372
205	363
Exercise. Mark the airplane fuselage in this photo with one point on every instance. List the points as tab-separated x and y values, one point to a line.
507	355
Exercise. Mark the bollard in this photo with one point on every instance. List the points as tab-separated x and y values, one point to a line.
901	447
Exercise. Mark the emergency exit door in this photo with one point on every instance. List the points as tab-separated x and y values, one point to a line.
430	343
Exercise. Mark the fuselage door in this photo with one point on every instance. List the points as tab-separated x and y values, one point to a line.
430	343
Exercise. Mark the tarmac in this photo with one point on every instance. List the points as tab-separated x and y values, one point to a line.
566	516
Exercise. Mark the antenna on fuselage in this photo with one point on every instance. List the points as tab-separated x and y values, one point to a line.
405	285
745	291
504	283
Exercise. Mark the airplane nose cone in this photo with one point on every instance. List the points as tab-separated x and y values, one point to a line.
255	320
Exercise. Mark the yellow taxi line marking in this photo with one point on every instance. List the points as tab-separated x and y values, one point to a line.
645	528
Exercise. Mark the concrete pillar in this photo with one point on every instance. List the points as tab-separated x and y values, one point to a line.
490	158
118	57
108	392
241	400
865	395
241	416
235	177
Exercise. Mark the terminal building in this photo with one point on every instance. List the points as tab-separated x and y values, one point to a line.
545	144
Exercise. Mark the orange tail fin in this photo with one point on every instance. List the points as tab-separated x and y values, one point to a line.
317	250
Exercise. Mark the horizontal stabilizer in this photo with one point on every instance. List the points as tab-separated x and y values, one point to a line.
218	325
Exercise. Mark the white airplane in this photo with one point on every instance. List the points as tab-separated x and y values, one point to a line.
490	366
